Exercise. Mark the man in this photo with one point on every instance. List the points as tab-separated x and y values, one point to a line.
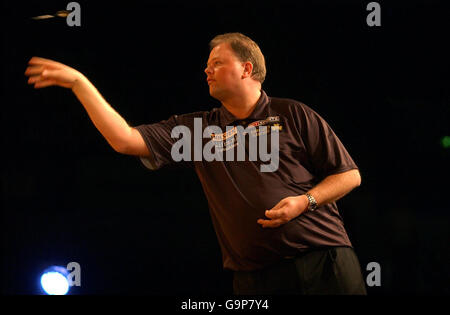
279	230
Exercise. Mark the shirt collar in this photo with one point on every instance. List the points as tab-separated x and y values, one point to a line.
261	111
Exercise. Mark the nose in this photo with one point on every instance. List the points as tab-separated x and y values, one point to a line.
208	70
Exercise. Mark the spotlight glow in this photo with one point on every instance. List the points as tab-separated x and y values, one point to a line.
54	281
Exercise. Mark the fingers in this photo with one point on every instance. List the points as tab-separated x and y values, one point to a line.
37	67
277	218
41	82
38	61
45	72
43	77
40	78
278	210
44	83
34	70
270	223
276	214
36	74
273	214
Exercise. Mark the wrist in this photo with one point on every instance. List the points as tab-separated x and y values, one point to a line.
79	82
312	203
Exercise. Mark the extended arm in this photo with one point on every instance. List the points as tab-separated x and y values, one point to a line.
122	138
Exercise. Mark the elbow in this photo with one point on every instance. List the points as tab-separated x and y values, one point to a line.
119	147
353	178
357	178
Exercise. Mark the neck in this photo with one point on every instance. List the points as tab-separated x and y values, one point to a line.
242	105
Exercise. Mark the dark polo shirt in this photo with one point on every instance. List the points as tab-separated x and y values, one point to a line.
238	193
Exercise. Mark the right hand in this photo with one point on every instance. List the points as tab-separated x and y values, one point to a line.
45	72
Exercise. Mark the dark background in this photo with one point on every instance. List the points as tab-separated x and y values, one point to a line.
67	196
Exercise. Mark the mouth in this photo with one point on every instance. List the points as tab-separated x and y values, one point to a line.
210	80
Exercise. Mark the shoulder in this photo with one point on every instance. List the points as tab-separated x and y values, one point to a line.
291	107
297	113
189	117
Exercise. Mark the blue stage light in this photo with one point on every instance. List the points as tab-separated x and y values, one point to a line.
54	280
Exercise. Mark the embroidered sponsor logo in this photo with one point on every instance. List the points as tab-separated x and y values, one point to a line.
234	137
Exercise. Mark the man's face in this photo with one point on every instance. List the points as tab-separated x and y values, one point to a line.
224	72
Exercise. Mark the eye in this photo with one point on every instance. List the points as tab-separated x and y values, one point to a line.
214	63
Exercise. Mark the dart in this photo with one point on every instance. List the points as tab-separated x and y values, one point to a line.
61	13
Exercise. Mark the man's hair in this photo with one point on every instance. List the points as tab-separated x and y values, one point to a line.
246	50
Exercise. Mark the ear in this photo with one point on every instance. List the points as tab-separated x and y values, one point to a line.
247	69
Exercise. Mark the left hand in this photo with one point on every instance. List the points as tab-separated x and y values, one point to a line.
284	211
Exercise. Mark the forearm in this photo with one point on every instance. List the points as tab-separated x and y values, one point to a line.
334	187
110	124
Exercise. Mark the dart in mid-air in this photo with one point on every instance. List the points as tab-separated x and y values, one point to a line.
61	13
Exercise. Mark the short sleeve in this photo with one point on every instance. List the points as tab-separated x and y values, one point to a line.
159	141
325	151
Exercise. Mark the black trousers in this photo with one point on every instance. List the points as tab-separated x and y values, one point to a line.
332	271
